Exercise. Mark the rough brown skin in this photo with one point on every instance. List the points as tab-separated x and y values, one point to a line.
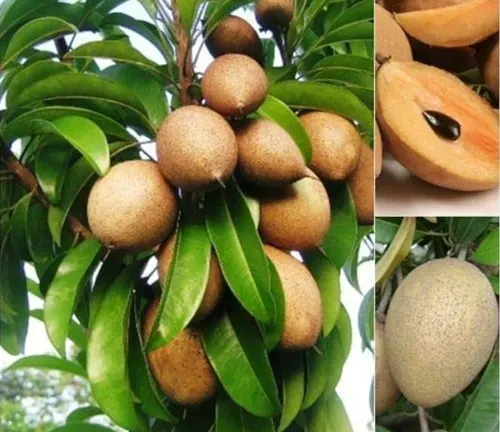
488	63
215	284
297	216
361	185
196	149
440	330
386	391
336	144
234	85
390	38
132	207
181	368
379	151
303	310
233	35
267	154
274	14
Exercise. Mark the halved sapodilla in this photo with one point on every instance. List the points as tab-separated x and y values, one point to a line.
459	25
437	127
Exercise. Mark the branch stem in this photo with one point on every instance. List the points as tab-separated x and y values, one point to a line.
422	416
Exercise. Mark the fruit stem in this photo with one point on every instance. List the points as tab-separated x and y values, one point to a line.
462	253
381	59
281	47
384	302
422	416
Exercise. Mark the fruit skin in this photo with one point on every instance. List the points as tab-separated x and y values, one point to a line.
181	368
132	207
415	5
336	144
274	14
297	216
215	284
267	154
303	310
469	163
234	85
361	185
379	151
386	391
440	330
196	149
233	35
488	63
390	38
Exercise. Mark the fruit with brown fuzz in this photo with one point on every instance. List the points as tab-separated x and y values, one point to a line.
361	185
274	14
488	64
390	38
379	151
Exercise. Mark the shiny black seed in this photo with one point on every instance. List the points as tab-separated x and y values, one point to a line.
443	125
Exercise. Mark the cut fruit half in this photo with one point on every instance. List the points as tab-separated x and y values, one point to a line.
405	90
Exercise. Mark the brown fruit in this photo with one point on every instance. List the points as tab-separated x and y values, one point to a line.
181	368
234	85
303	310
215	284
197	149
361	185
488	63
404	91
267	154
132	207
233	35
274	14
454	26
386	391
297	216
390	38
335	142
416	5
379	151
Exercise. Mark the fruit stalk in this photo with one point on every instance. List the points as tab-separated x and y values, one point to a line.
281	47
422	416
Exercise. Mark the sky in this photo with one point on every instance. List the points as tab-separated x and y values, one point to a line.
354	386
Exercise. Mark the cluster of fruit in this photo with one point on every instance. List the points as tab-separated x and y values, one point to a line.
434	124
135	205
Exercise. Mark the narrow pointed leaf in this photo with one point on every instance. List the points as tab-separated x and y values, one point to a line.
293	386
187	12
83	414
366	319
48	362
19	227
336	359
315	360
488	250
13	12
81	427
345	331
346	62
328	414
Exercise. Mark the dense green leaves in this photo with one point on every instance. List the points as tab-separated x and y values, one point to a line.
292	386
19	227
488	250
316	362
465	230
48	362
13	12
187	12
328	414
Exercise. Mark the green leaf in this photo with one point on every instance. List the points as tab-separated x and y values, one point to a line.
81	427
51	167
19	227
495	283
107	354
464	230
230	417
66	288
34	32
481	409
48	362
40	243
240	251
310	95
328	414
316	369
187	12
327	276
358	31
277	111
346	62
345	331
366	318
13	12
335	359
84	135
293	386
487	252
82	414
281	73
237	353
450	411
386	229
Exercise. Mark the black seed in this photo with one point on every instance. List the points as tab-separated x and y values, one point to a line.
443	125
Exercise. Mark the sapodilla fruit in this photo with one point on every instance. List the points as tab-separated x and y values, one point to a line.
181	368
488	63
132	207
335	142
197	149
415	5
361	185
440	330
274	14
379	151
215	284
453	26
390	38
267	154
386	391
404	91
233	35
234	85
303	310
297	216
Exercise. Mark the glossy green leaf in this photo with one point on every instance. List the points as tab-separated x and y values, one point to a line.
187	12
327	276
51	168
450	411
344	62
387	228
84	135
230	417
282	73
316	363
328	414
346	78
335	359
76	332
495	283
237	353
48	362
464	230
81	427
310	95
488	250
82	414
13	12
19	227
358	12
107	354
357	31
345	330
292	386
34	32
277	111
240	251
366	319
66	288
